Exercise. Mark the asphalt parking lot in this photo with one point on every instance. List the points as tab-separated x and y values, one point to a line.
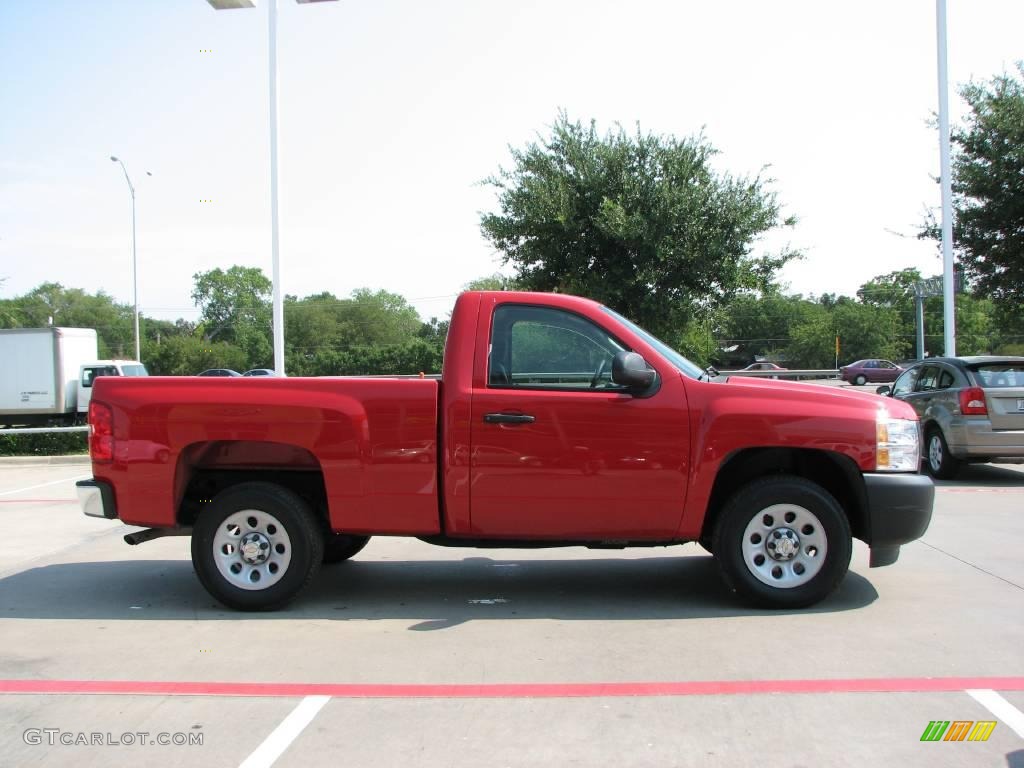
412	654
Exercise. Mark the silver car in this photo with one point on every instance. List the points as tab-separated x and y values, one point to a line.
971	410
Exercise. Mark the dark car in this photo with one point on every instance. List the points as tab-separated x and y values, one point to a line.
971	409
260	372
219	372
873	370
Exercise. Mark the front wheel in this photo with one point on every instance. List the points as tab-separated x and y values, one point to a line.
257	546
783	542
860	380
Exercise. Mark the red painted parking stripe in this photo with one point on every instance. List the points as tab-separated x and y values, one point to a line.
511	690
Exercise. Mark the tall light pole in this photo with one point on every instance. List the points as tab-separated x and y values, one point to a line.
135	263
278	306
948	313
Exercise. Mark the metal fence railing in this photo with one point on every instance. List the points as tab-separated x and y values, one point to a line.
787	373
35	430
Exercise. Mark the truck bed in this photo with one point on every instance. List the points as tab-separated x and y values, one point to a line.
373	440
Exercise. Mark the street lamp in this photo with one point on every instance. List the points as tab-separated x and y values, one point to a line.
135	264
948	289
278	311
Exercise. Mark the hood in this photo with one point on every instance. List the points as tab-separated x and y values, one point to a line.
823	394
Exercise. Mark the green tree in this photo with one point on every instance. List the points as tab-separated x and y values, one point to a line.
639	222
189	355
377	318
495	282
867	331
763	326
988	188
236	309
812	342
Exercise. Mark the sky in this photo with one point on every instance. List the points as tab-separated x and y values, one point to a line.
392	112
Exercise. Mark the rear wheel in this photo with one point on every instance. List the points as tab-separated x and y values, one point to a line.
783	542
256	547
939	461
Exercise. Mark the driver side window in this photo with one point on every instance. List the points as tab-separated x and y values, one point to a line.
905	383
546	348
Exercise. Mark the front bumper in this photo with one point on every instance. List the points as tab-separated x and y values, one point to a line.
97	499
899	510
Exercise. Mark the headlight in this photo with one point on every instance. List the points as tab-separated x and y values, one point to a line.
898	444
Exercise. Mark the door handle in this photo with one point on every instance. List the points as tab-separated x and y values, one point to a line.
508	418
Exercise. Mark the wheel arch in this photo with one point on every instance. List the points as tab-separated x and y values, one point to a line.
208	468
836	473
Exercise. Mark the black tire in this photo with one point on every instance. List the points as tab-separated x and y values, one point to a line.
819	548
860	380
339	547
267	513
939	462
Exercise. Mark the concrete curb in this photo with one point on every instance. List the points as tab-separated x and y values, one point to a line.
18	461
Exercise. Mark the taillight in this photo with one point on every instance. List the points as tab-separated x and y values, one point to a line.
101	432
972	402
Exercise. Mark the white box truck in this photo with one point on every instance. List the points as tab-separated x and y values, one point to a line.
39	369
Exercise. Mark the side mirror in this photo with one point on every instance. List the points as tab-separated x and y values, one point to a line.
630	370
883	391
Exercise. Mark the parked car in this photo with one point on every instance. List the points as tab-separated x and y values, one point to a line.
219	372
260	372
764	366
874	370
971	409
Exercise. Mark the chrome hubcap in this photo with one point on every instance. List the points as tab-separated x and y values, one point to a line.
255	548
784	546
252	549
935	452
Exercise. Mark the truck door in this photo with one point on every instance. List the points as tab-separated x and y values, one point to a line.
558	449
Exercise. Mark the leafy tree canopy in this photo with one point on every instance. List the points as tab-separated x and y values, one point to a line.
988	188
640	222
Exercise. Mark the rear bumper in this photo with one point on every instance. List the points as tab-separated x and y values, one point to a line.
970	437
96	499
899	510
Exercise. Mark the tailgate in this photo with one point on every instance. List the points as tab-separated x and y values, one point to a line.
1003	382
1006	407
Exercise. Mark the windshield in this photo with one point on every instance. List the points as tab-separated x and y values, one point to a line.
134	370
683	365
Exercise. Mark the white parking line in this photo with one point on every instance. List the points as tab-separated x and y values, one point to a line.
278	741
43	485
1000	707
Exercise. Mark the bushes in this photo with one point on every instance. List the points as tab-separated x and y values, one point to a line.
44	444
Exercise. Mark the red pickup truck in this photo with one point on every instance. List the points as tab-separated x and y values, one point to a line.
556	422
